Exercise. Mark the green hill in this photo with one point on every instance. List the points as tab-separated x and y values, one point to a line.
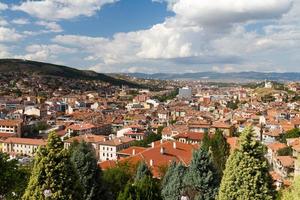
47	69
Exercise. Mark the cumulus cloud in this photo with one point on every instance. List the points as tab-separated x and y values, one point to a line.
9	35
20	21
61	9
45	52
50	26
3	6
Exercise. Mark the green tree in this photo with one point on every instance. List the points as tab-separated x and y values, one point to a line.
142	171
85	163
246	175
287	151
172	185
219	149
53	175
115	180
201	180
144	186
13	178
294	133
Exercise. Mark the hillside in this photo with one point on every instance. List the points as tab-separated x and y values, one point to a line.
225	77
47	69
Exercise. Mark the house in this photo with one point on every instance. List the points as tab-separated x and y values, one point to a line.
159	156
227	129
108	148
136	135
80	129
13	127
88	138
190	137
272	150
197	125
22	146
131	151
284	165
170	131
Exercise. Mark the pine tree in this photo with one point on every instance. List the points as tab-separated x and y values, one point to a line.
220	151
173	186
246	175
53	176
84	160
142	171
201	180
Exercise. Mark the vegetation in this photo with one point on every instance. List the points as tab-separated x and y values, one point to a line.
246	175
164	98
85	163
53	174
219	148
293	192
13	178
200	180
294	133
287	151
152	137
233	104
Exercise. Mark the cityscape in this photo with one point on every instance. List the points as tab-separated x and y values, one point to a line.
149	100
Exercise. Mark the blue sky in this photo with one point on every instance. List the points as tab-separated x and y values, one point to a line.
154	35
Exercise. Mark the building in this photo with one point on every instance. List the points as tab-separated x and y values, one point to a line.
88	138
185	93
109	147
13	127
22	146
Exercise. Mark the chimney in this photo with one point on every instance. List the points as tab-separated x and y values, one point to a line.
174	145
151	162
152	144
133	152
162	150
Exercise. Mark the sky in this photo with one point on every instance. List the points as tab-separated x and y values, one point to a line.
154	36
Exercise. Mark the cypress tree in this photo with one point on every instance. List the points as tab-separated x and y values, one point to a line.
84	160
173	185
53	176
143	188
246	176
201	180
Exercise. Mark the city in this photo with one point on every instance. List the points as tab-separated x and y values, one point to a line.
149	100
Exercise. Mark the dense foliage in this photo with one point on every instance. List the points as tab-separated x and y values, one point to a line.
13	178
246	175
53	175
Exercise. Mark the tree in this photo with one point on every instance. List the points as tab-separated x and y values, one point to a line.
115	180
142	171
293	192
172	184
246	175
219	149
294	133
286	151
13	178
201	180
144	186
53	175
85	163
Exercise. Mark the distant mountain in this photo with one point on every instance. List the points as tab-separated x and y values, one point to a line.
226	77
47	69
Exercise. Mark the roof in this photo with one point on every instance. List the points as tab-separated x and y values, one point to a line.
276	146
191	136
117	141
89	138
286	161
221	125
10	122
132	150
15	140
181	153
233	142
79	127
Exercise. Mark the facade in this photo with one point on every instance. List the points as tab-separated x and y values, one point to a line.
185	93
22	146
12	127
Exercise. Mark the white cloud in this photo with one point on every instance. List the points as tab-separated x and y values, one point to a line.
50	26
61	9
4	51
9	35
3	22
3	6
45	52
20	21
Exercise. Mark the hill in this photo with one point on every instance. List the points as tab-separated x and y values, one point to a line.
225	77
47	69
